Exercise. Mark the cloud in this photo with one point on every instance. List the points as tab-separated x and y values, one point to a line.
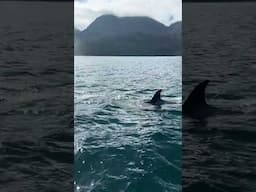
164	11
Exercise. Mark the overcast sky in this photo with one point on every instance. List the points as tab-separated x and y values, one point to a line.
164	11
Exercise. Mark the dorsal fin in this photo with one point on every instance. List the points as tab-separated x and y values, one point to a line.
196	97
157	97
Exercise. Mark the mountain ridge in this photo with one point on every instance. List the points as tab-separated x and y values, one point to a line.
112	35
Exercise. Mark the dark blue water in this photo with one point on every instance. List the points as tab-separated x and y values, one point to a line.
220	45
36	99
121	142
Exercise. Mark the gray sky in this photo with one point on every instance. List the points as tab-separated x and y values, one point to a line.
164	11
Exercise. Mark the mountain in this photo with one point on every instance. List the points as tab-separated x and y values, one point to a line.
111	35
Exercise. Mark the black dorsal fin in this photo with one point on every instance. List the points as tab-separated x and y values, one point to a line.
157	97
196	97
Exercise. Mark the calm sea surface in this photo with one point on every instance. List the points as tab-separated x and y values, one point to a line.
220	44
121	142
36	99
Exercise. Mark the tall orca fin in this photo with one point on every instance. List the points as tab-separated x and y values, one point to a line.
156	99
196	99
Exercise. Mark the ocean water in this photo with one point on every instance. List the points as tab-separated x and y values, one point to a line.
121	142
220	45
36	96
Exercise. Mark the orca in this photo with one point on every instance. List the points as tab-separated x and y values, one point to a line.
156	99
195	105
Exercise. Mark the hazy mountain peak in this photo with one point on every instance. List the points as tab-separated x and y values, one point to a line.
112	35
114	24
